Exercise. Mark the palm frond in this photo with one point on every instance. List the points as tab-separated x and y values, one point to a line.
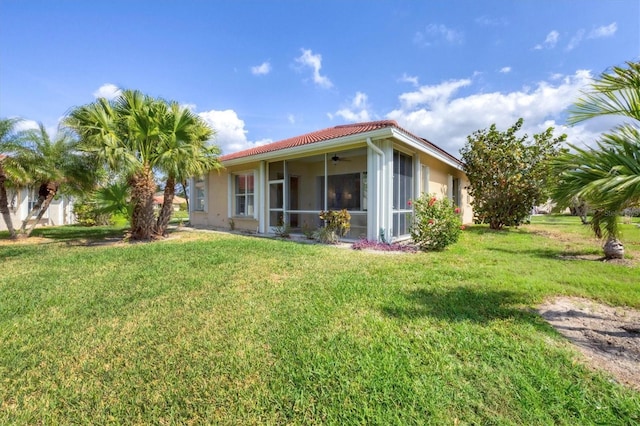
614	93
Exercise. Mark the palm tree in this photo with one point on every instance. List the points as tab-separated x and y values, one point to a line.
10	169
51	163
123	134
606	177
184	153
136	135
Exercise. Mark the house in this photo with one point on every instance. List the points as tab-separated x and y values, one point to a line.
158	201
21	201
371	169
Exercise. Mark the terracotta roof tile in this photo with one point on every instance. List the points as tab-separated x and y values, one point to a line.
328	134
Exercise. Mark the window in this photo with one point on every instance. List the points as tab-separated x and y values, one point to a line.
456	195
199	194
343	191
243	194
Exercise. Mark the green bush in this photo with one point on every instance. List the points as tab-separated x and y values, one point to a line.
436	223
88	214
337	225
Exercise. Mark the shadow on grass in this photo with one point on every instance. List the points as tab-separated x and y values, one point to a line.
484	229
463	304
77	232
548	253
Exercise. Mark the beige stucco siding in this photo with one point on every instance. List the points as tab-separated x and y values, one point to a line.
439	182
216	214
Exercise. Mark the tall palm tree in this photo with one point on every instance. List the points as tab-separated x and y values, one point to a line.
606	177
136	135
10	169
123	134
184	153
51	163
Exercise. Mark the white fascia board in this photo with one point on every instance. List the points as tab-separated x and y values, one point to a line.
344	142
421	146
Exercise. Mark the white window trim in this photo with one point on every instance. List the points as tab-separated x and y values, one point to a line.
193	202
232	194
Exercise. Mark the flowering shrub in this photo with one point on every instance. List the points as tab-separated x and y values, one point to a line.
365	244
436	223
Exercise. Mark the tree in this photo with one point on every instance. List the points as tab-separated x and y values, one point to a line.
10	169
607	176
508	175
136	135
184	153
51	163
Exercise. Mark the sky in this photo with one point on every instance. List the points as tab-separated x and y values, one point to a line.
262	71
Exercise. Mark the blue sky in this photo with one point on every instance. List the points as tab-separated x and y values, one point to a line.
261	71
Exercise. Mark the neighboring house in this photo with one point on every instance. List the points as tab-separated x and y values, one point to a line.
60	211
158	201
371	169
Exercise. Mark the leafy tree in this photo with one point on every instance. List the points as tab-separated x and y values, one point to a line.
606	176
136	135
508	174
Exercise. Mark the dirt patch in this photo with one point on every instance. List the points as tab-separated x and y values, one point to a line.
609	337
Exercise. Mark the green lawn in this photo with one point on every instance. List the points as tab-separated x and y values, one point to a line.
210	328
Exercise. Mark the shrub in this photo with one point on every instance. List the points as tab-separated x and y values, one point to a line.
88	214
337	225
436	223
365	244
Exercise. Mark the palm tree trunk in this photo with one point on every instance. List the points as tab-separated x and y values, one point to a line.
167	207
47	191
52	190
142	220
4	205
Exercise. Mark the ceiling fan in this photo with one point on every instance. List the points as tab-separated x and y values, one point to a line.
335	159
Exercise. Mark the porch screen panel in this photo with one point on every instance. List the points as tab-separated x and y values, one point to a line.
402	193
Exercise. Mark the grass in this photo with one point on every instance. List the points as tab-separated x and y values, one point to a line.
218	328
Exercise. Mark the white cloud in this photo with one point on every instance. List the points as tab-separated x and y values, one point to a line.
432	95
575	40
549	42
505	70
291	118
604	31
599	32
262	69
308	59
435	113
23	125
434	33
356	111
409	79
231	135
488	21
108	91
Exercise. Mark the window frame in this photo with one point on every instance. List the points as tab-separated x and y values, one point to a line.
249	208
199	198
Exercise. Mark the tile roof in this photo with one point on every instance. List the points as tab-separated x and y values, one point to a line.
329	134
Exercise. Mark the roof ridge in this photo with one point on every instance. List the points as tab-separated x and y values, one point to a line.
368	123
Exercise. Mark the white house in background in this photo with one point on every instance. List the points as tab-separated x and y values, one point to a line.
371	169
60	211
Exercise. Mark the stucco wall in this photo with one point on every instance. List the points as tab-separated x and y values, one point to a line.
439	182
216	213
